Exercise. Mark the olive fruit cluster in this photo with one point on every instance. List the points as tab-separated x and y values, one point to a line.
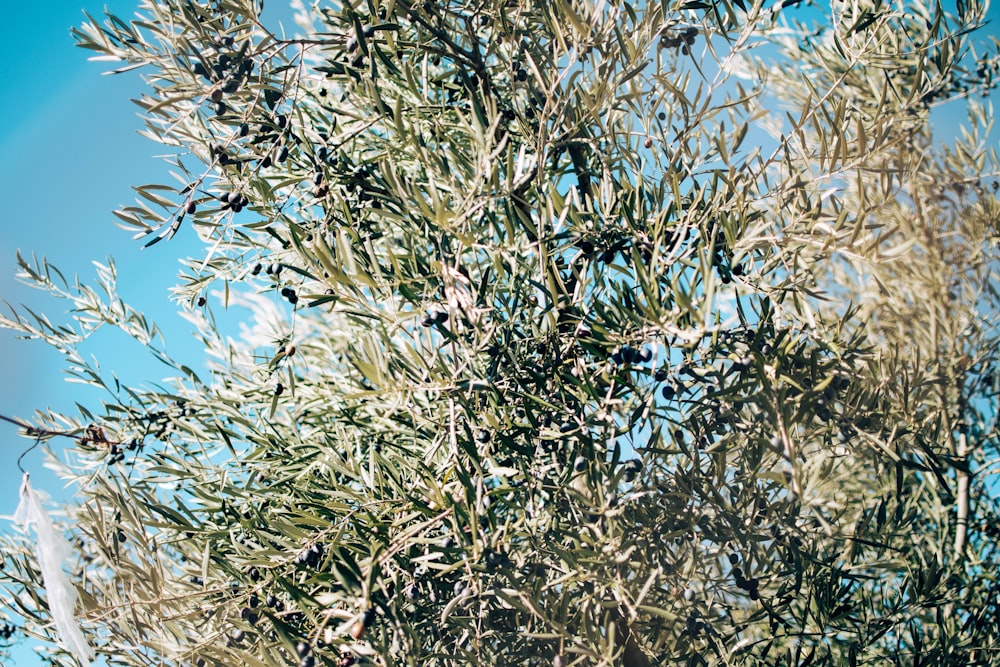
631	469
607	247
495	559
233	201
751	585
248	614
683	39
434	316
306	657
694	625
116	455
311	556
626	354
271	133
226	72
274	603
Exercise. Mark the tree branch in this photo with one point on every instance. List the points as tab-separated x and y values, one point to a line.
962	452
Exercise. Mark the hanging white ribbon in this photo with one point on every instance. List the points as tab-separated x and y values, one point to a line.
52	550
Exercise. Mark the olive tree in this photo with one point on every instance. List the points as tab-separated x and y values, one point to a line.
576	332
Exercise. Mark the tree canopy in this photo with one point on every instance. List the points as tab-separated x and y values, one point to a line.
576	333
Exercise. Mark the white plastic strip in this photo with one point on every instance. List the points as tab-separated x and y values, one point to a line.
52	550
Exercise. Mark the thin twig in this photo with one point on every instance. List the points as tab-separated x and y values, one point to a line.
38	433
92	434
25	453
41	432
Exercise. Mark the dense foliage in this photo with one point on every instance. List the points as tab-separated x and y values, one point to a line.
579	333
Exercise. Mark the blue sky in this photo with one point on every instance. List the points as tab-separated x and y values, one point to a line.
69	154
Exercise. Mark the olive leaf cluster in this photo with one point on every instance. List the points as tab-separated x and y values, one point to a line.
587	333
